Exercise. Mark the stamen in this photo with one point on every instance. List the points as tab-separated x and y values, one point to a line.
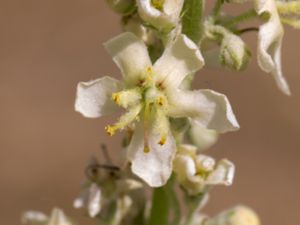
158	4
116	98
111	130
149	69
163	140
127	98
146	149
160	101
125	120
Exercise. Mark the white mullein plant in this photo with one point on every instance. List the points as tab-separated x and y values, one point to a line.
167	125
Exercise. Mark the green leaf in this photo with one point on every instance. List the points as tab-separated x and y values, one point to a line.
192	19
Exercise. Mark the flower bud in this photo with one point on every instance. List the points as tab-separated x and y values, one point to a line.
124	7
239	215
135	25
234	54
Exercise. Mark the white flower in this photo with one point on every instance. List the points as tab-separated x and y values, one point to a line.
105	185
162	14
197	172
151	95
269	42
239	215
57	217
91	198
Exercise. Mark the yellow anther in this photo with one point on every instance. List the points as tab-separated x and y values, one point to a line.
111	130
160	101
163	140
149	69
146	149
158	4
116	98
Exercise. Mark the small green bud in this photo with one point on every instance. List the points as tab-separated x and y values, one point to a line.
234	53
125	7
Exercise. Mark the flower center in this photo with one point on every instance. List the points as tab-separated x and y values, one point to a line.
147	102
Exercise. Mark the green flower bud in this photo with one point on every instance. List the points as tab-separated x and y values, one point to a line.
234	53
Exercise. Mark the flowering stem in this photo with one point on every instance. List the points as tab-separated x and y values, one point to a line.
160	207
240	18
217	8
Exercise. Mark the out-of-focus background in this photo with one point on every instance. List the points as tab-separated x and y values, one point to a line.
48	46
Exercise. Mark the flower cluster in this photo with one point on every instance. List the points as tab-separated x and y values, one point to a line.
168	124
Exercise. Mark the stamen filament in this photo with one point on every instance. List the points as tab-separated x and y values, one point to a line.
125	120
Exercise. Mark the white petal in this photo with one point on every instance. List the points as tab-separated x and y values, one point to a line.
205	163
94	203
208	108
164	19
239	215
180	58
223	174
58	218
154	167
203	138
79	202
184	166
34	217
269	43
124	204
94	97
130	54
132	184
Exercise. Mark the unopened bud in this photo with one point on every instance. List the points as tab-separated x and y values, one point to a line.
239	215
234	53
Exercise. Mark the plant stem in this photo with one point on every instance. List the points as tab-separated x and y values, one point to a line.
241	18
217	8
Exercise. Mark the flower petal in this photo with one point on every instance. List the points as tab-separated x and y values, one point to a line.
208	108
163	18
94	97
223	174
184	166
203	138
34	217
58	217
155	166
94	203
130	54
179	59
270	37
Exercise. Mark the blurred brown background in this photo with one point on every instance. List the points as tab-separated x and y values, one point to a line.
47	46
